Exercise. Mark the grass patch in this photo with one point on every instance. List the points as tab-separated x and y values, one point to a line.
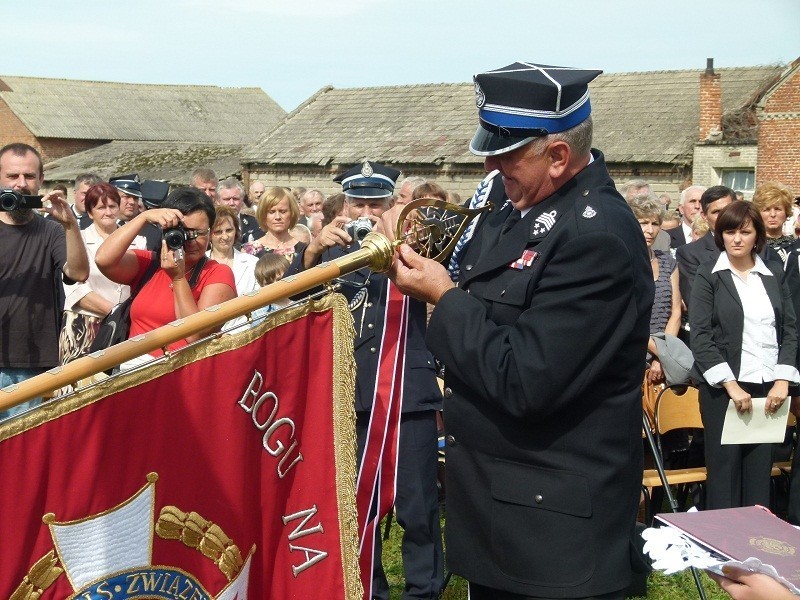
659	587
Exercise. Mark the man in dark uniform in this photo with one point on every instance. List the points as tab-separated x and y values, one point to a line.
543	343
130	193
368	188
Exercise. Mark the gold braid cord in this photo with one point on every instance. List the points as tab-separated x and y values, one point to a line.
39	578
197	532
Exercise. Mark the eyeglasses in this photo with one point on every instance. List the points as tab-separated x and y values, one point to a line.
193	234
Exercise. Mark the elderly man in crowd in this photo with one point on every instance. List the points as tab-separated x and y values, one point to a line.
689	207
406	189
257	190
543	343
311	209
36	257
230	192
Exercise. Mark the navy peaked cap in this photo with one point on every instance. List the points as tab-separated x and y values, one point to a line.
368	180
128	184
154	192
523	101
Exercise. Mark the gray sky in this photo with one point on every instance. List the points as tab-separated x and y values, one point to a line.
293	48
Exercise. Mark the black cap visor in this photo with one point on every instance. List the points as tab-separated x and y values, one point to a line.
490	140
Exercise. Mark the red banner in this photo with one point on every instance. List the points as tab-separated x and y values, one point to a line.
225	472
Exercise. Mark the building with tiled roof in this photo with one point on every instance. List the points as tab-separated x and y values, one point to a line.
646	123
61	117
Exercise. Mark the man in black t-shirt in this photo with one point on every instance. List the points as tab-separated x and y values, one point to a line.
36	256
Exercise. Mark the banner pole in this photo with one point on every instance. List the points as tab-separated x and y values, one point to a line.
376	252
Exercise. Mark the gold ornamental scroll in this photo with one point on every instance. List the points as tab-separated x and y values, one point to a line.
376	253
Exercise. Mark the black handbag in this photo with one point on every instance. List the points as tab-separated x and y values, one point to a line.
117	324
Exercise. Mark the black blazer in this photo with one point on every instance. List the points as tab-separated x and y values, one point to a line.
689	257
717	319
676	237
543	367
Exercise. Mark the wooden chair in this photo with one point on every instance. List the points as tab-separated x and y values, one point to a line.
677	407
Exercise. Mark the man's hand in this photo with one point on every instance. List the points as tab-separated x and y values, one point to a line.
57	207
419	277
333	234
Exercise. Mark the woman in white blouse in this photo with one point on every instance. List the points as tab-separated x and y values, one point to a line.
224	236
744	343
87	303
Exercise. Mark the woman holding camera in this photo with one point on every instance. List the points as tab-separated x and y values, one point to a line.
744	343
277	214
186	216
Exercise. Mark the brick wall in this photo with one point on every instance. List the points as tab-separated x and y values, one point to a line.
54	148
13	130
779	135
710	103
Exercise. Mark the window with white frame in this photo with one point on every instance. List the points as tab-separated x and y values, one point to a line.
741	180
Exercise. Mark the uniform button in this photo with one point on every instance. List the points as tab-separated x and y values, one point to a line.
448	393
373	349
585	192
451	441
370	326
503	293
538	499
369	304
468	267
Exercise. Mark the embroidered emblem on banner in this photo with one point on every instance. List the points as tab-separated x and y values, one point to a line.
589	212
366	170
480	97
124	537
526	260
544	223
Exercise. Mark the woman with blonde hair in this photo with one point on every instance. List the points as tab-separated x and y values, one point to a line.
774	202
277	215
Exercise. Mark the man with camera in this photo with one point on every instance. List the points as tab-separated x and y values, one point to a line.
36	257
368	188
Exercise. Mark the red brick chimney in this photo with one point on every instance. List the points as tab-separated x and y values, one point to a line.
710	103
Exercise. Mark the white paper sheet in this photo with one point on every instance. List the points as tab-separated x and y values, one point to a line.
755	427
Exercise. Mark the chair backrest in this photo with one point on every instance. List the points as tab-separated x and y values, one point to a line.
676	410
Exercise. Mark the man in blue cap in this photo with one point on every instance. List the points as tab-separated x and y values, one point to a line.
368	187
543	342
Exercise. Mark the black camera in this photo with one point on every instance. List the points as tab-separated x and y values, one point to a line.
13	200
175	237
360	228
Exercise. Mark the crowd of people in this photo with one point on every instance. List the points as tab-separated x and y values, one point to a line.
560	260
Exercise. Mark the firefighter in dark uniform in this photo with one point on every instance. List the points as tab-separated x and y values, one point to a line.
543	342
368	188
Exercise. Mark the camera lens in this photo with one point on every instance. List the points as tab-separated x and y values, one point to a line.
9	201
175	237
